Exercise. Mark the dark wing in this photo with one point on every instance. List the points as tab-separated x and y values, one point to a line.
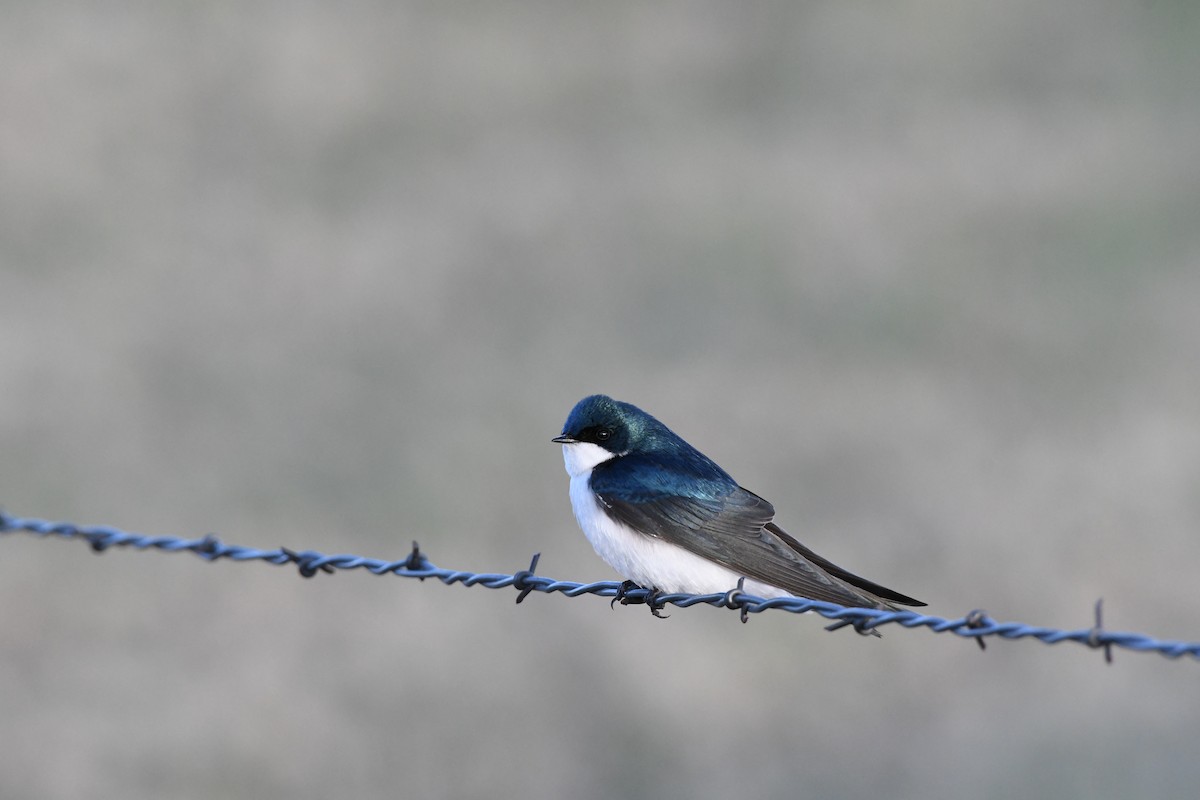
841	574
734	529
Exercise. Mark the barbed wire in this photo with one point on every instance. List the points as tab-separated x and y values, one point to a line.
974	625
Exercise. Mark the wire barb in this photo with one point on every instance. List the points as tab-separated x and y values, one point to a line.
978	619
733	599
976	625
521	579
309	562
862	626
415	561
1096	638
209	546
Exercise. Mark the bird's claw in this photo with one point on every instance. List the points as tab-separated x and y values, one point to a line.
651	598
656	605
622	591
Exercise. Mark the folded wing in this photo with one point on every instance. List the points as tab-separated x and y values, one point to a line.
734	529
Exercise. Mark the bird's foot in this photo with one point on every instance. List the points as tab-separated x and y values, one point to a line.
651	598
656	605
622	591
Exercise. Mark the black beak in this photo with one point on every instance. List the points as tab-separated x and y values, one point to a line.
564	439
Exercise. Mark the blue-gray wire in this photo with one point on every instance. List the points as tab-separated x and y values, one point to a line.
975	625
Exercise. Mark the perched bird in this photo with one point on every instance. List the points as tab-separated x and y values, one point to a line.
667	518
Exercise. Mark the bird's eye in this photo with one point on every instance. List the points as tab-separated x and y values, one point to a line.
603	434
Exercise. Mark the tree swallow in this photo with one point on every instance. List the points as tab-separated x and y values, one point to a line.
666	517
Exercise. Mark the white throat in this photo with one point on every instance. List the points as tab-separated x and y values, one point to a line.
581	457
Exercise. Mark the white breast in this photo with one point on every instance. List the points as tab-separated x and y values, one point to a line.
646	561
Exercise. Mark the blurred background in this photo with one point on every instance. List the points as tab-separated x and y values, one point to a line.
331	277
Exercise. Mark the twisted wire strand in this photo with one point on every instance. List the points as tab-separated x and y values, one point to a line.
974	625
